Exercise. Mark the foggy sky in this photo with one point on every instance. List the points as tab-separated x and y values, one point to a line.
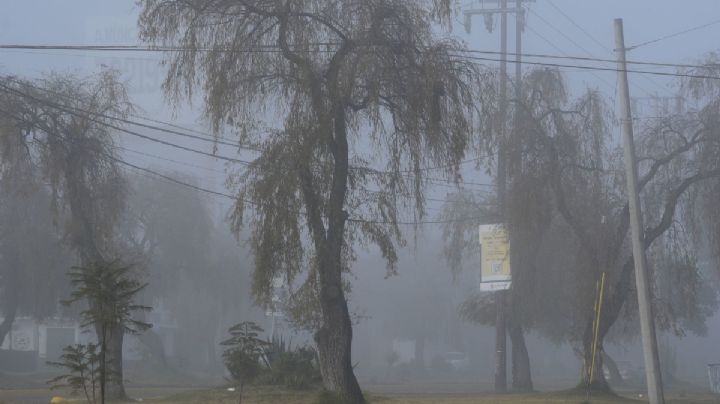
81	22
78	22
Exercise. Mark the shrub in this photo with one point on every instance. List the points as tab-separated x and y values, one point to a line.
82	362
293	368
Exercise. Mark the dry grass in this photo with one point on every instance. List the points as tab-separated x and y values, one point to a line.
273	395
268	395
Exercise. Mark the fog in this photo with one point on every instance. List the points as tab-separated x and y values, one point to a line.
204	186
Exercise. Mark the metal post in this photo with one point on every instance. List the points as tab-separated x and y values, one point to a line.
647	325
515	155
503	158
519	21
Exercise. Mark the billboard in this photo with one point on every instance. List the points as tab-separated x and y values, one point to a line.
494	258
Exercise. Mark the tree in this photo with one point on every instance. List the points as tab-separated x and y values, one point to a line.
110	290
245	349
31	252
574	193
68	123
353	84
33	258
194	266
589	194
82	362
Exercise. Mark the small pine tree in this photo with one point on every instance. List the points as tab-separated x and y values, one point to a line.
82	362
110	289
244	352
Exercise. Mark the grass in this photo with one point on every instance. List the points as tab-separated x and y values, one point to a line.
253	395
273	395
267	395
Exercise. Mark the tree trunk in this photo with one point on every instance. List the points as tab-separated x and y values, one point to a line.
151	339
12	296
154	343
612	305
615	376
10	313
102	337
420	351
334	341
521	373
593	375
115	389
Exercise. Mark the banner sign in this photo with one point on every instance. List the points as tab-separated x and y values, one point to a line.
494	258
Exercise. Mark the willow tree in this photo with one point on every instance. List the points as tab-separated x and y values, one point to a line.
568	193
68	123
347	100
31	252
679	158
33	258
527	216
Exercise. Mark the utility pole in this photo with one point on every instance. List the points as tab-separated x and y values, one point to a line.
647	323
501	295
502	169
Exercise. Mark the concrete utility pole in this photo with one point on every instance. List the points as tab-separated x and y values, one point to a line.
501	296
647	323
503	10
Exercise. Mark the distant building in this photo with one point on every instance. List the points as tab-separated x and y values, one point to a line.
31	343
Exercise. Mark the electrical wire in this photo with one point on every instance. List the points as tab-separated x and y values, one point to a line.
571	40
578	26
275	49
135	123
234	198
699	27
596	68
606	48
168	160
83	113
86	115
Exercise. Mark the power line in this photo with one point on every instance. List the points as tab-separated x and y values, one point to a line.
433	181
162	49
229	196
597	68
185	128
567	37
171	179
69	110
105	116
604	81
73	111
143	169
275	49
593	59
85	55
699	27
607	49
135	123
168	160
578	26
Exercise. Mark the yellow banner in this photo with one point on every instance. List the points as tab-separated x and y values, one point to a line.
495	258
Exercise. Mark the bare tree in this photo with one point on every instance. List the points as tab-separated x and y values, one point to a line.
339	88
